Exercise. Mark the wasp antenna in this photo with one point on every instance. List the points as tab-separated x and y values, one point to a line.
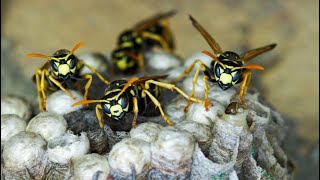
192	19
76	47
129	82
87	102
252	66
273	45
213	57
172	12
37	55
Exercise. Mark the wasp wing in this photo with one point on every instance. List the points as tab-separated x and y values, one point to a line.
147	23
255	52
212	43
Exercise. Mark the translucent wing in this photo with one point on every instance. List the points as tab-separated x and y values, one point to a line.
212	43
142	25
255	52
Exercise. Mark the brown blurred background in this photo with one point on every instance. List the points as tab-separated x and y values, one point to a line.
289	82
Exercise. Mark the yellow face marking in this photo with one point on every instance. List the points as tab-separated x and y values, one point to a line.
64	69
73	70
120	101
225	78
116	110
221	70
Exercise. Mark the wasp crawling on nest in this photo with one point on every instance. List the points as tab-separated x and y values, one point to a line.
133	95
61	71
132	43
227	67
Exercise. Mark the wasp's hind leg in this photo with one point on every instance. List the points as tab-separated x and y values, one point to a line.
61	87
87	86
202	67
157	104
245	82
95	72
172	87
135	111
40	90
99	117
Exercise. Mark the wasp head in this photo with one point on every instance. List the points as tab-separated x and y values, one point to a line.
63	64
227	71
115	105
130	38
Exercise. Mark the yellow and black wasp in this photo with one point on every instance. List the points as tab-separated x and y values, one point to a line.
132	43
61	71
227	68
133	95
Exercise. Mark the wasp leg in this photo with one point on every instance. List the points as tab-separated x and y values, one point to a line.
87	86
98	108
61	87
194	82
167	33
140	62
207	103
39	89
43	73
157	103
138	58
172	87
163	43
189	69
245	82
96	72
135	111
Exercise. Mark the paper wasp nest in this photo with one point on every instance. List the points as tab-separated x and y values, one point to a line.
201	144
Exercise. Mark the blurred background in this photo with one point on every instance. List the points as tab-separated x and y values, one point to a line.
290	81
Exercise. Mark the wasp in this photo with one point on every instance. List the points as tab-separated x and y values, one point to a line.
133	95
227	68
132	43
61	71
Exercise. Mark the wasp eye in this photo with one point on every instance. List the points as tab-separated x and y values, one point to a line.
106	108
235	75
54	66
72	63
218	70
123	102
